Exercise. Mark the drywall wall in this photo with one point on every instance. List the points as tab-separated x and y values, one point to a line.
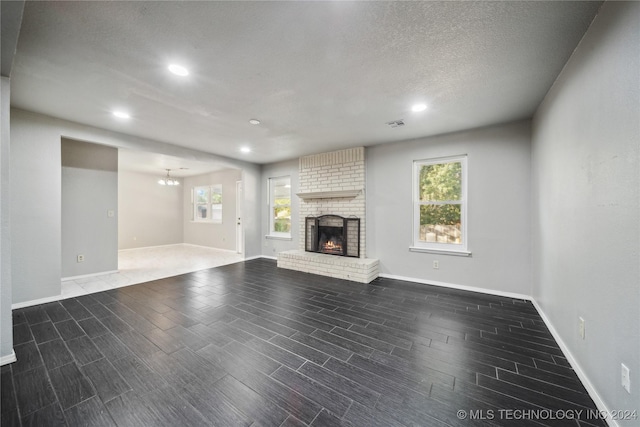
498	208
36	182
36	172
214	235
89	206
148	214
6	330
586	184
271	246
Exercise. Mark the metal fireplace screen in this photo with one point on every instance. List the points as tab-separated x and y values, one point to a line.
333	234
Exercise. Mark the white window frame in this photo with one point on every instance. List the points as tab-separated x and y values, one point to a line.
434	247
271	204
210	206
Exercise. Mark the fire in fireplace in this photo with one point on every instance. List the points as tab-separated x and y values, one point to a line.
333	234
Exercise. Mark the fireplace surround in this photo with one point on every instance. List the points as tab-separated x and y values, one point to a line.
333	235
332	202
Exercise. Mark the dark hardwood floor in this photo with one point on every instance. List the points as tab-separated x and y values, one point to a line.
249	344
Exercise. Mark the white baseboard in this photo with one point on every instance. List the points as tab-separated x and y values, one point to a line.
84	276
177	244
576	366
260	256
152	247
9	358
461	287
210	247
36	302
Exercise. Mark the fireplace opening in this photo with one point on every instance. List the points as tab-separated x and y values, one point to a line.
331	240
333	235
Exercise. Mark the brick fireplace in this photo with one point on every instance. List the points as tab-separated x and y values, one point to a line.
332	185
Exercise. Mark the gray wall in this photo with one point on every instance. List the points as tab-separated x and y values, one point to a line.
498	209
89	192
148	214
36	172
271	247
6	331
221	236
252	210
36	182
586	180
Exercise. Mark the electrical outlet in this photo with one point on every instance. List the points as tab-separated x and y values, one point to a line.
581	327
111	213
80	258
436	265
625	377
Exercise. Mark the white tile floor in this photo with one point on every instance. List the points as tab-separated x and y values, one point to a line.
146	264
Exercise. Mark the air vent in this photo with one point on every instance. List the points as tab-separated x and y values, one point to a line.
395	123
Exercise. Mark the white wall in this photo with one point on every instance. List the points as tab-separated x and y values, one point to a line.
148	214
6	330
498	208
36	182
221	236
586	184
270	246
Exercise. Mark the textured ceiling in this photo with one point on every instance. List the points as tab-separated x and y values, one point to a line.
319	75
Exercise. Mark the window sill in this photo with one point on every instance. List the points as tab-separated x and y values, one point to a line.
272	237
439	251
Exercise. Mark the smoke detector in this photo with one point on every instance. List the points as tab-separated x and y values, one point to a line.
395	123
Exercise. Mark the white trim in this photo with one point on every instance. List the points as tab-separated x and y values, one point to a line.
37	302
271	190
251	258
439	251
274	237
463	202
210	247
268	257
576	367
177	244
461	287
9	358
84	276
155	246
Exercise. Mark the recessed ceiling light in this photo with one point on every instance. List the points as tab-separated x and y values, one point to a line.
419	107
178	70
121	115
245	149
254	121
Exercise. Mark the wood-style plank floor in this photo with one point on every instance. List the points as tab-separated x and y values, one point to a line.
249	344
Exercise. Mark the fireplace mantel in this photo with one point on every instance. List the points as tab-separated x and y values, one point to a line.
337	194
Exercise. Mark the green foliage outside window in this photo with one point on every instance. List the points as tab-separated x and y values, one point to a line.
282	215
440	210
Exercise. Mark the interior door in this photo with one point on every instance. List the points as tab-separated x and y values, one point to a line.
239	229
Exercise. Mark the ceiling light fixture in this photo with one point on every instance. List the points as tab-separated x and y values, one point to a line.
418	107
121	115
167	180
254	121
178	70
245	149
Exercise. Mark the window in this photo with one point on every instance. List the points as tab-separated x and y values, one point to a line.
207	204
440	205
280	207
